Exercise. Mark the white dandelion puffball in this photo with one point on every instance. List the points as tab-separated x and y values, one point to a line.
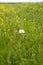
21	31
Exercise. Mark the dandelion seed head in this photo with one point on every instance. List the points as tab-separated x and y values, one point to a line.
21	31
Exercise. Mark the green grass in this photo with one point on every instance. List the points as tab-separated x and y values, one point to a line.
21	49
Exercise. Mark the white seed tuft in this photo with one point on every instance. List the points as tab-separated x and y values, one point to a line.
21	31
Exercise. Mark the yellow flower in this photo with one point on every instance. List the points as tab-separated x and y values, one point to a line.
8	30
15	30
33	8
2	23
24	19
40	8
5	32
17	16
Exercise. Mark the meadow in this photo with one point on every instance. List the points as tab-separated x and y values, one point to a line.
21	49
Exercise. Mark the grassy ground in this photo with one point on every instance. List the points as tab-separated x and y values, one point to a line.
21	49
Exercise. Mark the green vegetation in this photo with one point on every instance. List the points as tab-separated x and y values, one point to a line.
21	49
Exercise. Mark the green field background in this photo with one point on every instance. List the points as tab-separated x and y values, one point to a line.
21	49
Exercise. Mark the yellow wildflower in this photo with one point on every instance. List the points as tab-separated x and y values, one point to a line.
5	32
33	8
24	19
40	8
17	16
8	30
15	30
